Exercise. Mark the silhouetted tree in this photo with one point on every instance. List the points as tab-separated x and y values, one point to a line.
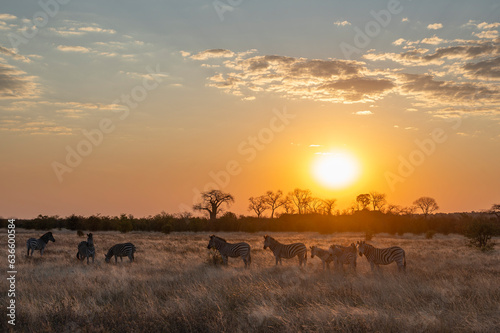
363	200
288	205
315	205
495	209
258	205
328	206
211	202
301	199
378	200
427	205
274	200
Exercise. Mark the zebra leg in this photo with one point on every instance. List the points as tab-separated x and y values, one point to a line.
41	251
224	260
116	259
121	258
87	260
277	259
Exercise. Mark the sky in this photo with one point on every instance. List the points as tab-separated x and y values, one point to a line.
136	107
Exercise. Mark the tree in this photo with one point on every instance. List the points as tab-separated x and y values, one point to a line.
274	200
328	206
495	209
479	231
301	199
211	202
378	200
315	205
427	205
288	205
258	205
363	200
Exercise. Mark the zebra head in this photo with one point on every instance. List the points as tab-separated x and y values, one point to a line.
335	251
313	250
361	247
90	239
107	258
267	241
211	243
48	237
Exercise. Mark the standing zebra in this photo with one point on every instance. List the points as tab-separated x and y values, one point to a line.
121	250
324	255
344	255
286	251
231	250
385	256
39	244
86	249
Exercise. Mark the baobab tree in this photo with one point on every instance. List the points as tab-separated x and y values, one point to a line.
427	205
211	202
258	205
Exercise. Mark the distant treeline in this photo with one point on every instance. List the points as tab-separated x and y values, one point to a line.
362	221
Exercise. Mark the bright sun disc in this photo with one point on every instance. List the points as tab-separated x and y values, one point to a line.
336	169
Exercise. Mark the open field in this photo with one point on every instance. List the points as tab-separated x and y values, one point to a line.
171	287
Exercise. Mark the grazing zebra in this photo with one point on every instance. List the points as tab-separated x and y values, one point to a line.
121	250
231	250
86	249
324	255
344	255
39	244
385	256
286	251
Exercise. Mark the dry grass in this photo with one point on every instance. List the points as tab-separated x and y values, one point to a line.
170	287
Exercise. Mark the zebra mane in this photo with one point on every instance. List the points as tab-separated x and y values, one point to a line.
46	236
222	239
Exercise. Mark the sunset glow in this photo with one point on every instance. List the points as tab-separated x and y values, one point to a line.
336	169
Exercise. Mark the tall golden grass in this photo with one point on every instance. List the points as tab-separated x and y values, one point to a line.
171	287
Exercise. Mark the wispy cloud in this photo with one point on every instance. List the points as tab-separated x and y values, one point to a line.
15	83
341	23
6	17
363	113
213	53
435	26
78	49
13	54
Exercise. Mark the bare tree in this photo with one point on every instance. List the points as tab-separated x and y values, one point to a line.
288	205
258	205
315	205
328	206
378	200
274	200
393	209
211	202
363	201
301	199
427	205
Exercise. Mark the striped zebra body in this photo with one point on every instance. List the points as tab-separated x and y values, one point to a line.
121	250
86	249
39	244
286	251
231	250
344	255
376	256
324	255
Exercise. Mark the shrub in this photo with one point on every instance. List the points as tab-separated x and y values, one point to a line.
430	234
479	231
79	233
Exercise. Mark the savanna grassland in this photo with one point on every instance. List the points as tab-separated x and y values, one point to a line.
172	287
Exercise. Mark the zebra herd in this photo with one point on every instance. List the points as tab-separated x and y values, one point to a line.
86	249
340	255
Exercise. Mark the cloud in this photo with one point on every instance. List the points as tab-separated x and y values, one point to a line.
79	49
434	26
399	41
15	84
488	34
213	53
6	16
489	69
13	54
483	25
405	19
363	113
434	40
341	23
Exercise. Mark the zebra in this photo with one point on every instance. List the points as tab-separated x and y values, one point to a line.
121	250
39	244
384	256
86	249
286	251
324	255
344	255
231	250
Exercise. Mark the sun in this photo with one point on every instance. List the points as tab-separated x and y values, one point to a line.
337	169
